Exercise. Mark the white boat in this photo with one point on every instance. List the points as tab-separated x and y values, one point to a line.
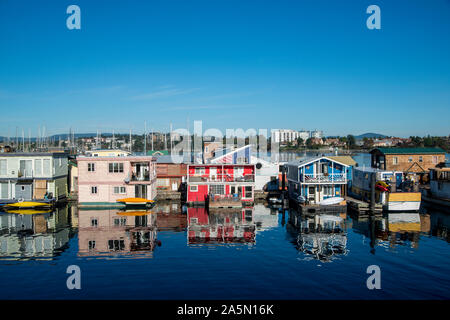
331	201
275	200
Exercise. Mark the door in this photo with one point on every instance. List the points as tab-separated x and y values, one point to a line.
312	194
213	174
140	191
26	168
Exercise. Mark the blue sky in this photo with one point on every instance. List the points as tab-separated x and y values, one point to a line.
231	64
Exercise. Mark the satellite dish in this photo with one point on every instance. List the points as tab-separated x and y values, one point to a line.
258	165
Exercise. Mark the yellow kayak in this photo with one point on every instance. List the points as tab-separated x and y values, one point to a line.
135	201
27	204
28	211
134	213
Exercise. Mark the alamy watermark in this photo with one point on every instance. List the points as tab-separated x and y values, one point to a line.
74	280
374	281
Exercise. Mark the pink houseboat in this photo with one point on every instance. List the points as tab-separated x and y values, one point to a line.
102	181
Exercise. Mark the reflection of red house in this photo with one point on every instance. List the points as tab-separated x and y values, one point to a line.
234	226
235	181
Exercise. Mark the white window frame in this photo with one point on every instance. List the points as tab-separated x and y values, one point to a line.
395	160
193	188
120	190
5	171
199	171
91	166
92	190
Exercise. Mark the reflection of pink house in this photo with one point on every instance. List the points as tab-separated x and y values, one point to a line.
103	180
112	232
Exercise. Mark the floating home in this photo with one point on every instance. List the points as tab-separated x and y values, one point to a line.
267	174
104	180
33	176
316	179
211	182
408	160
392	190
439	191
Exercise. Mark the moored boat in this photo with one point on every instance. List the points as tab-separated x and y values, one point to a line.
136	201
28	205
392	189
331	201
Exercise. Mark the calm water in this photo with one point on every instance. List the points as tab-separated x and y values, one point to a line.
176	253
258	253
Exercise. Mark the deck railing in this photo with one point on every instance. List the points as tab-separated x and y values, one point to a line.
222	178
323	178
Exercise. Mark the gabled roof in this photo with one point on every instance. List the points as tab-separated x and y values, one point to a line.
305	161
227	152
410	150
344	159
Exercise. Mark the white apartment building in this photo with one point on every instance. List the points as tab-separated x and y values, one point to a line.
283	136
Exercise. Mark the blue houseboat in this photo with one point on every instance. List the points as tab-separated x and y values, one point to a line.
312	180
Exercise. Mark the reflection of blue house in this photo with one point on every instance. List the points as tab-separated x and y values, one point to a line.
317	178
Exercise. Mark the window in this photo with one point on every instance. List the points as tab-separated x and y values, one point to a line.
120	222
248	191
395	160
217	189
434	159
60	162
38	167
94	190
94	222
46	167
3	168
116	245
193	188
120	190
410	159
200	171
116	167
91	167
420	159
91	245
327	191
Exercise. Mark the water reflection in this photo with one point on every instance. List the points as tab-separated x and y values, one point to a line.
26	234
104	233
320	237
218	227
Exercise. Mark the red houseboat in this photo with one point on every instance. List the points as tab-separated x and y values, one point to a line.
210	182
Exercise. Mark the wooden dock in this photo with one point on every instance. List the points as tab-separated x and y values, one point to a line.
362	208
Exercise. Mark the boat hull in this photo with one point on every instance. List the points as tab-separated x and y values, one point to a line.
403	202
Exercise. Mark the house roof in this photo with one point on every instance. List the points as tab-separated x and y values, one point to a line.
309	160
344	159
410	150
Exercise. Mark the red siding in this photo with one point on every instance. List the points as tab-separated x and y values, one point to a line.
200	195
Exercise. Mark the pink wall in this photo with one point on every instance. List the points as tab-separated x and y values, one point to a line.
105	181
